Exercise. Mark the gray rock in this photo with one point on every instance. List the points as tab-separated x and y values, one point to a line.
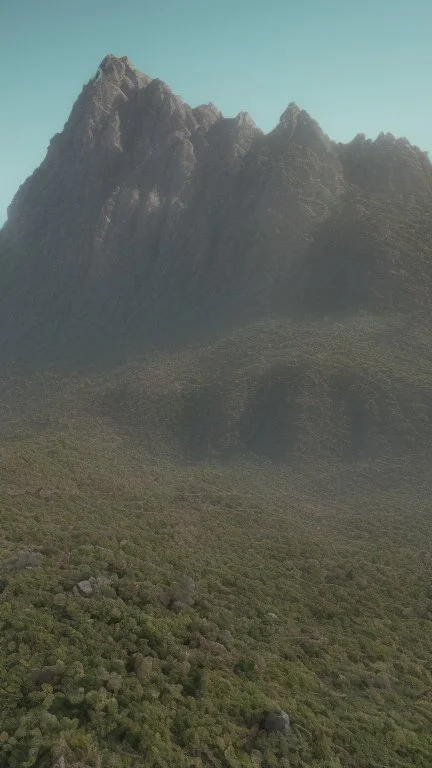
277	722
102	585
85	588
25	560
179	595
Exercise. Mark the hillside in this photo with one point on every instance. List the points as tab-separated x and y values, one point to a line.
280	391
311	595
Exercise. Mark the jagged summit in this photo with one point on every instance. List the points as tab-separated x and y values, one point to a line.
299	127
387	164
149	217
111	63
290	116
117	67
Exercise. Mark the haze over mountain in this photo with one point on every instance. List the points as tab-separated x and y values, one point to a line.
150	220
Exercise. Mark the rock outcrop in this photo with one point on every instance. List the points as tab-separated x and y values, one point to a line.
149	219
277	722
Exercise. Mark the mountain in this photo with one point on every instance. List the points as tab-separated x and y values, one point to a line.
149	220
215	443
288	278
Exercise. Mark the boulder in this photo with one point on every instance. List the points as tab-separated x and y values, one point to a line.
179	595
84	588
25	560
277	721
89	587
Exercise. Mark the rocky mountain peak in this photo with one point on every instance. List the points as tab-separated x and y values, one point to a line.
387	164
147	212
244	119
118	68
111	64
299	127
290	116
206	115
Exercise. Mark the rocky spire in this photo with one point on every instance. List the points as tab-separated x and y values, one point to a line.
298	126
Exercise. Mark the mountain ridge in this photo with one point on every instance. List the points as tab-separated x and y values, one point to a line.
149	218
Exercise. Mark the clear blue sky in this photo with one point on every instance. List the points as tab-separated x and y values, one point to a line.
355	65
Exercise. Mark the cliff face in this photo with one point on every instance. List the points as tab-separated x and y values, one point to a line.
149	218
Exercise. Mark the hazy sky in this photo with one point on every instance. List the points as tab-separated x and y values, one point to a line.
355	65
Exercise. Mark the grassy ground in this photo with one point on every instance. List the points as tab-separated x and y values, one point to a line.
313	594
312	572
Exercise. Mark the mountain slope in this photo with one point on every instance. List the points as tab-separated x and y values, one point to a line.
307	598
149	219
279	390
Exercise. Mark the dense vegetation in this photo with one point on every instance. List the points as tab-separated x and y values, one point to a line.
311	577
348	389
